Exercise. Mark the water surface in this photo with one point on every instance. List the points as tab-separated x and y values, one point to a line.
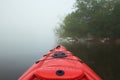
103	58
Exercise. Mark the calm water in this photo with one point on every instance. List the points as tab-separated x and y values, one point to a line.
17	57
102	58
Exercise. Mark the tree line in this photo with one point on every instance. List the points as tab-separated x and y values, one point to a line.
96	19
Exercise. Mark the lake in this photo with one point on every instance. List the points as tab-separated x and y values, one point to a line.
18	53
17	56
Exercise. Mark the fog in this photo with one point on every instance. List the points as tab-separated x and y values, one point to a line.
27	32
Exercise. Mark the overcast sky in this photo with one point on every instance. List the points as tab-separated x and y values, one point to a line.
31	19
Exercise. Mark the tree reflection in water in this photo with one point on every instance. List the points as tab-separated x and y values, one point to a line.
104	59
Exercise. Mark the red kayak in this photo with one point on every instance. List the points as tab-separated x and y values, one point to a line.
59	64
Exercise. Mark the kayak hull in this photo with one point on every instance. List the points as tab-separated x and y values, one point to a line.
59	64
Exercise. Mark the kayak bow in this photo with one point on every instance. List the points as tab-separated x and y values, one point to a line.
59	64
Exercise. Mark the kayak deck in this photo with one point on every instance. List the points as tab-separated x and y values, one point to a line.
59	64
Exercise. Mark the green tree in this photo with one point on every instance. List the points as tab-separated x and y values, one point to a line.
98	18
